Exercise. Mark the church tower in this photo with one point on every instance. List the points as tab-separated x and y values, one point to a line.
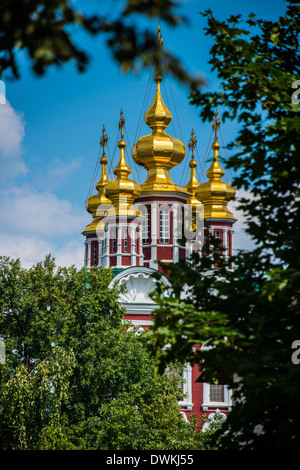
135	226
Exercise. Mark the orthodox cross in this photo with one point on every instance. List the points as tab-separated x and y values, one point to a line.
103	140
215	125
160	40
121	123
192	143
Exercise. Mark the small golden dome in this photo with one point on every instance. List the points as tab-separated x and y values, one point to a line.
215	193
122	191
98	204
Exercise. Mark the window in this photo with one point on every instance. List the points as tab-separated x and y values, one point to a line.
178	374
164	225
206	243
218	234
216	392
94	253
145	225
114	245
184	374
216	396
229	243
126	239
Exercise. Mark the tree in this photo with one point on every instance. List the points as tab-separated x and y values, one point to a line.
47	31
248	318
75	376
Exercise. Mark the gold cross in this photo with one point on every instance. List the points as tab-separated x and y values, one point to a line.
215	125
103	140
121	123
192	143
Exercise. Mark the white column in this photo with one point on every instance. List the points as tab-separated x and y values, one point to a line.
175	232
154	215
119	230
85	253
106	247
225	241
88	259
132	234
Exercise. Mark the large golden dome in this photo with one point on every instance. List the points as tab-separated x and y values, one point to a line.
158	152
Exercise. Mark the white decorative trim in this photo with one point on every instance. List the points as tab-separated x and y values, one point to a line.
211	418
187	403
140	284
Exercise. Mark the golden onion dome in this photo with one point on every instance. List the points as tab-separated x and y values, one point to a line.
122	191
98	204
158	152
215	193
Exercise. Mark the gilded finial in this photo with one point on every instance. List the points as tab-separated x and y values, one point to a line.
122	123
215	125
192	143
193	183
103	141
103	160
158	54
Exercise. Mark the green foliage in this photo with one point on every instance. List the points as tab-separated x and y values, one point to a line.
75	376
256	73
47	32
31	403
248	317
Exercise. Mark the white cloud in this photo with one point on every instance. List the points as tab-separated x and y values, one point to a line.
242	241
31	249
35	224
39	213
71	253
58	172
11	138
2	92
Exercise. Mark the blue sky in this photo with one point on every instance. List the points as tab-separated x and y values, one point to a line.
50	129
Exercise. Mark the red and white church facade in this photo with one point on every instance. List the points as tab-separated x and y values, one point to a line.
134	226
